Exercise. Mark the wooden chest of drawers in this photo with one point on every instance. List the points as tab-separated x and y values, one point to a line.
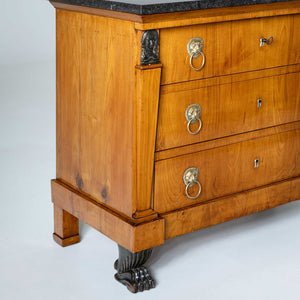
169	123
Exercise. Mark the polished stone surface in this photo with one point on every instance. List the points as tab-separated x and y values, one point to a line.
148	7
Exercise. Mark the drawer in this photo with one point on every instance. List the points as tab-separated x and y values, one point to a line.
230	47
227	109
227	170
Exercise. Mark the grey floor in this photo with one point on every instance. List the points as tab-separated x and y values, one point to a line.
256	257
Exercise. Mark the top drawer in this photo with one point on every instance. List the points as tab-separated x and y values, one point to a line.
230	47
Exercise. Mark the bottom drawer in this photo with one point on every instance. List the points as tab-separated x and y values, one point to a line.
226	170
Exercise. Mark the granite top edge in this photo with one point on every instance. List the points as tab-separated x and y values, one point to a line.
158	8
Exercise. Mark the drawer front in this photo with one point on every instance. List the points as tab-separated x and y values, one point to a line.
227	170
227	109
230	47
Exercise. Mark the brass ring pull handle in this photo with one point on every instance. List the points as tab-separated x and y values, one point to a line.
264	41
190	178
187	191
199	128
203	62
194	48
192	115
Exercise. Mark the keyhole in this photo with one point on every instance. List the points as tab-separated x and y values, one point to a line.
256	163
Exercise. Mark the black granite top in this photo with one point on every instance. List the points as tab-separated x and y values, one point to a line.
149	7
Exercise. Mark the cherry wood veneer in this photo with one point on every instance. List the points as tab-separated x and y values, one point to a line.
122	139
94	137
230	47
113	113
133	236
227	170
231	207
228	109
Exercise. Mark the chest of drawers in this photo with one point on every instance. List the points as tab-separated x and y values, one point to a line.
173	117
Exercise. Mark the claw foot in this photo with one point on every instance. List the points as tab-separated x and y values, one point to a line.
136	280
131	271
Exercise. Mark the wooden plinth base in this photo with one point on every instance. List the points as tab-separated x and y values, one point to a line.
66	241
70	205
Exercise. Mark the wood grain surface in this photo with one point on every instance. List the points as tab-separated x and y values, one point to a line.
66	228
193	148
146	114
134	237
231	207
230	47
227	170
95	91
112	114
228	109
226	79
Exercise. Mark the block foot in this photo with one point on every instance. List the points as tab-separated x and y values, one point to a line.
64	242
66	228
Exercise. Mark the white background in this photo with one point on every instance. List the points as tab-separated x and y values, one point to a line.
256	257
27	29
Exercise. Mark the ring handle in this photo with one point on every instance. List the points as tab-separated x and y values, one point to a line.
203	61
189	129
190	185
190	178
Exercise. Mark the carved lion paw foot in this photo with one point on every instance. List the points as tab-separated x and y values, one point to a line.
136	280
